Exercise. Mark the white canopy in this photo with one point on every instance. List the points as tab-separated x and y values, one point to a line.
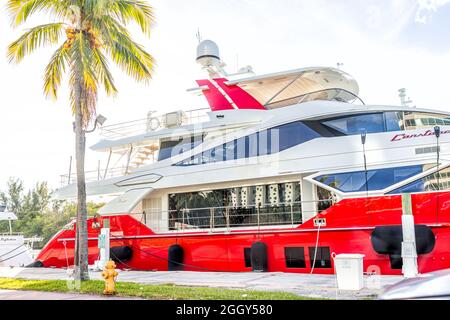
285	88
4	216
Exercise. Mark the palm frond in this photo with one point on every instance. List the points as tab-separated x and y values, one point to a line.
34	38
103	72
21	10
84	74
54	71
97	29
137	11
131	58
127	54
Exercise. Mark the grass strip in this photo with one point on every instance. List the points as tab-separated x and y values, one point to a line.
156	292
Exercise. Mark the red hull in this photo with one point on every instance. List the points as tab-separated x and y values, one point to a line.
349	226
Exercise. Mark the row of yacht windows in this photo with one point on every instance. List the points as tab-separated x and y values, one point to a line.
433	182
171	148
273	194
286	136
381	179
385	122
262	143
244	206
378	179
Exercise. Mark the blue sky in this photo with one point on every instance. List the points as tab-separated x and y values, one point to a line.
433	34
384	44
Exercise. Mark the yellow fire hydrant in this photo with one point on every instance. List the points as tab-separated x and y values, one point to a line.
110	274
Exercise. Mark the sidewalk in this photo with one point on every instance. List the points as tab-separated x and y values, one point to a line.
39	295
318	286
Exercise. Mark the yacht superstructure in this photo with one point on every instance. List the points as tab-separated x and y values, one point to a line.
284	171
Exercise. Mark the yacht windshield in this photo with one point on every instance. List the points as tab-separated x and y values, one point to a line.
336	94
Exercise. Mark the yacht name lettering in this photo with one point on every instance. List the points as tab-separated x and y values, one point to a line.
427	133
7	239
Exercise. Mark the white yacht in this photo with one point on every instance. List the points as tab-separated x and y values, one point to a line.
14	250
283	172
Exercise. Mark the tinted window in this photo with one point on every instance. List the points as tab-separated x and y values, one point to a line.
322	255
394	121
275	204
230	151
172	148
261	143
292	134
295	257
428	183
252	145
165	151
377	179
416	120
241	148
371	123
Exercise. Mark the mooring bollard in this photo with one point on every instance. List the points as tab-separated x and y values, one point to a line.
110	274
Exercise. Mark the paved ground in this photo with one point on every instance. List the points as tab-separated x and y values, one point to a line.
323	286
38	295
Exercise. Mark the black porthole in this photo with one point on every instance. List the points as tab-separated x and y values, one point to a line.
322	260
248	257
295	257
396	261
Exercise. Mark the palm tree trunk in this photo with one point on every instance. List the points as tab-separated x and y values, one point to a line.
81	244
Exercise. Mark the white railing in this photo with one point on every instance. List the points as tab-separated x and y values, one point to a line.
153	122
94	175
16	234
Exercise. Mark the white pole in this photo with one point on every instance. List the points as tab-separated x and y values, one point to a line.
103	245
409	251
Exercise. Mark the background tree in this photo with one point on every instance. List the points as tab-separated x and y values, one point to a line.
13	197
38	214
94	30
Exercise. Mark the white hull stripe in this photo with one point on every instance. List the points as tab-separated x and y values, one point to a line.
181	235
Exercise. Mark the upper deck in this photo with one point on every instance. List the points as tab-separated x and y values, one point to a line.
153	122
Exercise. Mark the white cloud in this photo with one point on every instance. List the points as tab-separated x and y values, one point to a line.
426	8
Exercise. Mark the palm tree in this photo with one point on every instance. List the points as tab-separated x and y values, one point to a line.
94	30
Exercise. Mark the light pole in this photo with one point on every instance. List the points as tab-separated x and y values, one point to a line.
437	133
100	120
77	254
363	142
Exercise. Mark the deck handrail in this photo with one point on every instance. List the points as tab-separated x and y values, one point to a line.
141	126
4	234
93	175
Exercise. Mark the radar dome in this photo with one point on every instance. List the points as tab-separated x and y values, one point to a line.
208	53
208	48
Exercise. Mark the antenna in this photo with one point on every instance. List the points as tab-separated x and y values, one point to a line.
198	35
404	99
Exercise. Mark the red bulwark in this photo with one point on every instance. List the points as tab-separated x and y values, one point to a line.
240	97
349	228
216	99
